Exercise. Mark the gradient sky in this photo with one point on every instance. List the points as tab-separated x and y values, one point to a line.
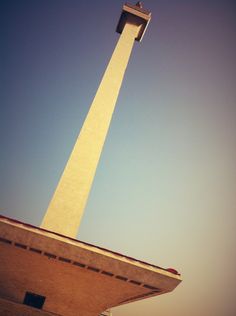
165	187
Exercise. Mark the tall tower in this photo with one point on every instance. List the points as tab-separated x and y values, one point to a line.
67	205
45	271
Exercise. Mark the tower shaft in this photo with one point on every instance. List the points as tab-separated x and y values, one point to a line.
68	202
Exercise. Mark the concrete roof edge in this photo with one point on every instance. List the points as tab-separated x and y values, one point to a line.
26	225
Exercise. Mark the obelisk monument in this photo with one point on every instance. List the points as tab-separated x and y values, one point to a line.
68	202
46	271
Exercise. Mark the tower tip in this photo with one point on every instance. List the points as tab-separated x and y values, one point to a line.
134	13
139	4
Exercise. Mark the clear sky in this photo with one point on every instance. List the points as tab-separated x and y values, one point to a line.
165	187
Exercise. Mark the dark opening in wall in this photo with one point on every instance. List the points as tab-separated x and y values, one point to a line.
34	300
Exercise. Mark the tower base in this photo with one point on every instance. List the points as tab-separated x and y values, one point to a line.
51	274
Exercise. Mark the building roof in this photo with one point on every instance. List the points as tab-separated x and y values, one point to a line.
73	270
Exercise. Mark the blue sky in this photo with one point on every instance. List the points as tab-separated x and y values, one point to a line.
164	191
